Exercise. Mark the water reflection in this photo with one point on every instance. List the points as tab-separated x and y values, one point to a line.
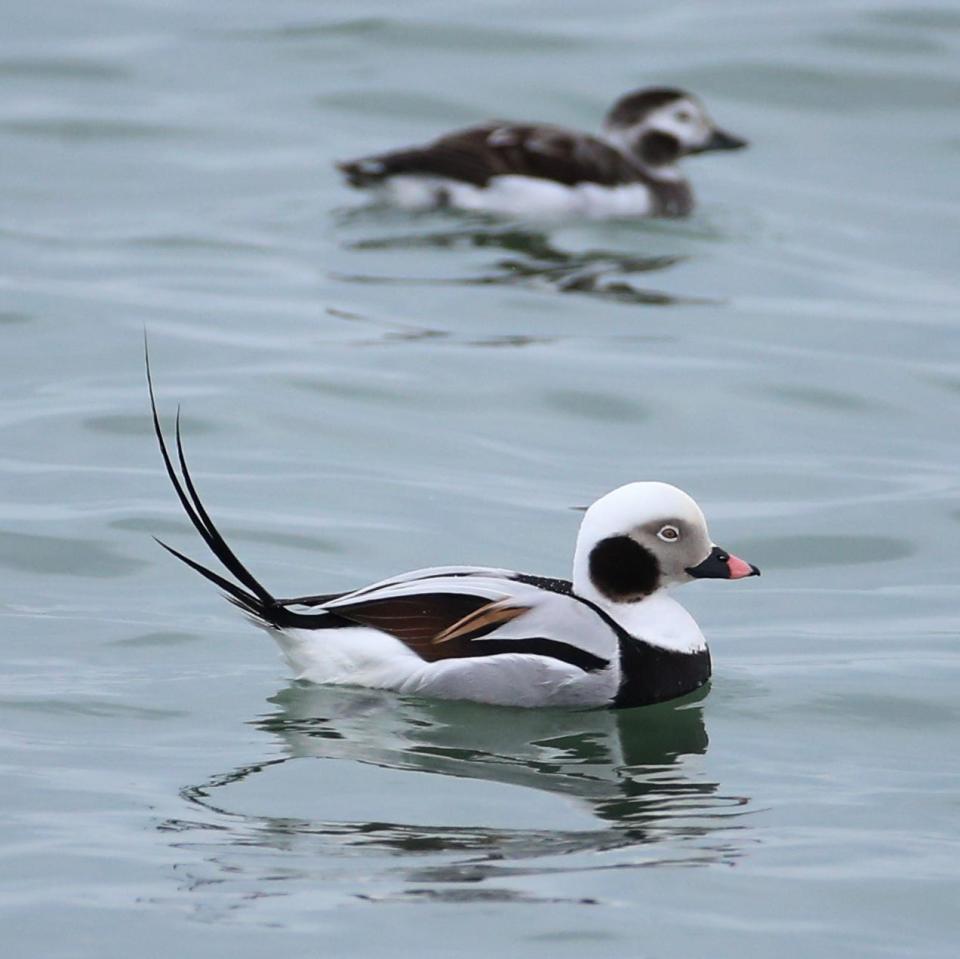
391	330
629	782
534	260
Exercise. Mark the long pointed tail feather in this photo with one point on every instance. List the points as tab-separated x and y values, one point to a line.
255	599
251	596
211	535
234	593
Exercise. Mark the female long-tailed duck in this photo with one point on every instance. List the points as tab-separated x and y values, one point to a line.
610	637
630	169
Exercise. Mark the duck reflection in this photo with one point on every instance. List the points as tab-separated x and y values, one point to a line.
533	260
632	776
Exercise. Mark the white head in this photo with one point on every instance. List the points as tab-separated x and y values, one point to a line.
658	126
643	537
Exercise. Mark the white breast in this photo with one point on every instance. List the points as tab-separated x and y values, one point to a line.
661	621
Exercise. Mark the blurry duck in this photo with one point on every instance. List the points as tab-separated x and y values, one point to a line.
610	637
631	169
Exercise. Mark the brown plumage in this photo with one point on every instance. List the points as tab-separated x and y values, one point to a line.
434	625
484	620
645	135
479	153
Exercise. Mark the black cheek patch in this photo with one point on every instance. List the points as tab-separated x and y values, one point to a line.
623	570
659	149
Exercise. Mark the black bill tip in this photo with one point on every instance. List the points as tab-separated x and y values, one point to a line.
721	140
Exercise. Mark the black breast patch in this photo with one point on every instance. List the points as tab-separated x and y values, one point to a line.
650	674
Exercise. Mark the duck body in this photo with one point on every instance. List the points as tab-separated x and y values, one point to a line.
609	636
511	639
630	169
515	169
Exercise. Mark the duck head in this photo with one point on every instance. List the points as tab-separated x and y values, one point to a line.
644	537
657	126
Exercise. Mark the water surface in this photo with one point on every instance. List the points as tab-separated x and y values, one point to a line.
366	391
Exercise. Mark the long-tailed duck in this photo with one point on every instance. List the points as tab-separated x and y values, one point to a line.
630	169
610	637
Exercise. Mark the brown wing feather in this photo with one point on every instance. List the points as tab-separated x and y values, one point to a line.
479	153
484	620
434	625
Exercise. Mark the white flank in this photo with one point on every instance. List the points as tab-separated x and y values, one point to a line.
520	196
358	656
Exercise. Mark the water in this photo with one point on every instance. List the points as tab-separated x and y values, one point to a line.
366	392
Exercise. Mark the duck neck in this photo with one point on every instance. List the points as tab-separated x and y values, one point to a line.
661	167
663	654
669	189
657	619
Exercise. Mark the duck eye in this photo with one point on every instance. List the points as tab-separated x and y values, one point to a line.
669	534
683	116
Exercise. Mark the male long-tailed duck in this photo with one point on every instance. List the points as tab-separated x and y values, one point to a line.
630	169
610	637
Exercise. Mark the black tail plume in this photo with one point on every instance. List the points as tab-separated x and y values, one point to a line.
253	599
251	596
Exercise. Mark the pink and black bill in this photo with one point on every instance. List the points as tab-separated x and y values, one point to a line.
723	565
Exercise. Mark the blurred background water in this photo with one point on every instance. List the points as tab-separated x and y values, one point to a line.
367	391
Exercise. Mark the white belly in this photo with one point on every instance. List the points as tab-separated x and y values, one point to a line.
519	196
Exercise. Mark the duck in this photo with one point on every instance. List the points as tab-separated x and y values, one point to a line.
611	636
630	169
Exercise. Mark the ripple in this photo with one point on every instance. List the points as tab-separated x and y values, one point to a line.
818	398
426	34
57	555
540	264
187	241
915	18
351	27
946	383
596	405
91	707
313	544
356	391
512	340
123	424
156	639
797	552
56	68
885	43
898	711
80	129
590	283
393	103
826	90
484	895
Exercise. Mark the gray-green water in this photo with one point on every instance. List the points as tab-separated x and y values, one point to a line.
366	392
